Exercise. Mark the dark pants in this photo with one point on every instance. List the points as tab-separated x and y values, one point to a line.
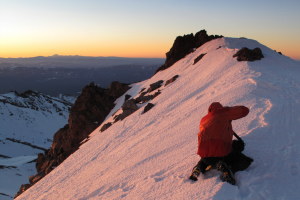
235	161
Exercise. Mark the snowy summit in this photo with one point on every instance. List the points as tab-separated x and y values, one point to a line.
150	155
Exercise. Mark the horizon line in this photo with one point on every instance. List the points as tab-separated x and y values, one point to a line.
60	55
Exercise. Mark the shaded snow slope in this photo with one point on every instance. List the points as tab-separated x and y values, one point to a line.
150	156
27	124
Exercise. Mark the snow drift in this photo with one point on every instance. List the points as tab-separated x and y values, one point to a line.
151	155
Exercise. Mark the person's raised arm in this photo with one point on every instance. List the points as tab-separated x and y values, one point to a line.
236	112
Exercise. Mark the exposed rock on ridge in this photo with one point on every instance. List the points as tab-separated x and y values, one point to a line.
133	104
246	54
184	45
88	112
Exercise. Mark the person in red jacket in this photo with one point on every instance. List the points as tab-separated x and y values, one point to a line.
215	140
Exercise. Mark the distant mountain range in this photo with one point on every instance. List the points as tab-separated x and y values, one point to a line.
67	75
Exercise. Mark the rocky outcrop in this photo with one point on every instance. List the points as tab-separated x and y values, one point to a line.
184	45
131	105
246	54
88	112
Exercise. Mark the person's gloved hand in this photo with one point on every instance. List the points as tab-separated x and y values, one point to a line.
238	146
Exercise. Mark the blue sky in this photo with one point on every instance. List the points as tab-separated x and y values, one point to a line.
140	28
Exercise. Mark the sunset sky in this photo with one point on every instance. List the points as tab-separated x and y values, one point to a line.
140	28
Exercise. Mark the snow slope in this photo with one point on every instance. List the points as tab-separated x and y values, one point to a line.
27	124
150	156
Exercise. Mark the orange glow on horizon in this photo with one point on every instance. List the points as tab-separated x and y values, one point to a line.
121	46
27	50
135	50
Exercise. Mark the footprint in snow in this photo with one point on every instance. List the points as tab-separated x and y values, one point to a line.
159	176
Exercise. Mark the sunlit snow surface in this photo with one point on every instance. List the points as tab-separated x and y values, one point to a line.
151	155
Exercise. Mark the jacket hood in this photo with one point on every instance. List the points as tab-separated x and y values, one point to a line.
214	106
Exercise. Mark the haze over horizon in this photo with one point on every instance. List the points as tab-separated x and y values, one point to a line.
140	28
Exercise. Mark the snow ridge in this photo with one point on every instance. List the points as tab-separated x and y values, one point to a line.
150	156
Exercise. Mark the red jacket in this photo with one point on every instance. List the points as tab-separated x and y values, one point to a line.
215	136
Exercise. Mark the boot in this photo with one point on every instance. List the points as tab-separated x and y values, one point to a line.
195	174
226	173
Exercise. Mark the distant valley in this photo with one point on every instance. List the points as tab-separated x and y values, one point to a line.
67	75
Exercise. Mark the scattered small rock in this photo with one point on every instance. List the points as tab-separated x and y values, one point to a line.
155	85
148	107
142	90
127	96
246	54
278	52
144	99
123	115
128	107
171	80
105	126
199	58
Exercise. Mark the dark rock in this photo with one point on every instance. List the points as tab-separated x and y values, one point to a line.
22	189
142	90
130	105
199	58
148	107
6	195
156	94
27	94
155	86
7	167
40	161
184	45
105	126
246	54
127	96
123	115
143	93
143	99
117	89
35	178
171	80
88	112
128	108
